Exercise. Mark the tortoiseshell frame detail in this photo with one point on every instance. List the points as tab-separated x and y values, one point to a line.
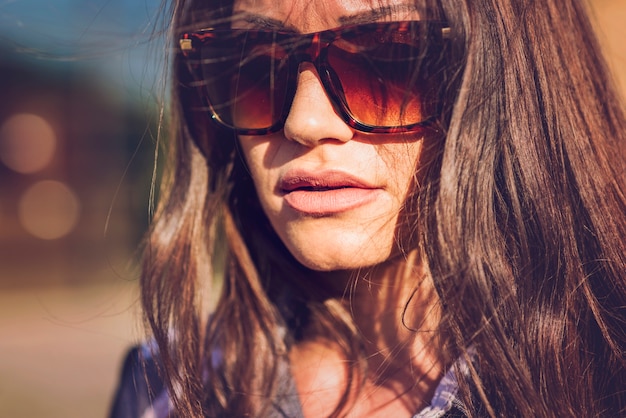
312	48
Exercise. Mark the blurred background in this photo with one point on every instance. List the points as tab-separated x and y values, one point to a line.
80	85
80	82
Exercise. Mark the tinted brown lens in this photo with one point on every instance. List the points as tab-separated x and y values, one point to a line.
245	82
382	76
384	81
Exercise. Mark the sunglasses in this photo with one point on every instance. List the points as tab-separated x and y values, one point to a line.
380	77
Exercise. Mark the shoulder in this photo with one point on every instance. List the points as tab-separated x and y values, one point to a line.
140	391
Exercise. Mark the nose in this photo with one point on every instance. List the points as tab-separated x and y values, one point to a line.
312	117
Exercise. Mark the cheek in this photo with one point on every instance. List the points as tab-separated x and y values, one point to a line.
400	162
261	154
256	155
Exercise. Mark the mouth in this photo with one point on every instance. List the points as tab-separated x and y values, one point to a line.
311	188
325	193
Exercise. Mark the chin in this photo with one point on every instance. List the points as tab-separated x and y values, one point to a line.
339	261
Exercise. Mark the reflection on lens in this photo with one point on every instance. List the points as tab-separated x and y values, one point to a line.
386	79
27	143
246	93
378	89
49	210
260	92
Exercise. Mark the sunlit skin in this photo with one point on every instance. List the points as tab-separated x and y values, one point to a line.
317	143
344	229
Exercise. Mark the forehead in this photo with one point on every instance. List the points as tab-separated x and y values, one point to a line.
312	15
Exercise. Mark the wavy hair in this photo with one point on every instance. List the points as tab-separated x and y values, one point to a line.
521	220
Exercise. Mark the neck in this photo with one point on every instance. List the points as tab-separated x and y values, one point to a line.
394	309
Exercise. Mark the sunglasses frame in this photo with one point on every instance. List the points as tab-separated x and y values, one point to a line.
436	33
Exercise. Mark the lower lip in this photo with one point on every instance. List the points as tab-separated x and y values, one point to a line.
327	202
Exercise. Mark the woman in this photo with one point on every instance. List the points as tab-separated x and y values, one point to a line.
419	213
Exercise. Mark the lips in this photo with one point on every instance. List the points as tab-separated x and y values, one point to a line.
325	192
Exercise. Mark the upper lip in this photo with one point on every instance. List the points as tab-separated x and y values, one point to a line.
320	180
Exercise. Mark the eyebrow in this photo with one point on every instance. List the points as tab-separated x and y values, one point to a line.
264	22
374	15
367	16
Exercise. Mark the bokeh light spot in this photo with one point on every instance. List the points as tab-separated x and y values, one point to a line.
27	143
49	210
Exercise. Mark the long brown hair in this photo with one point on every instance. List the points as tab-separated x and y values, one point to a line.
521	220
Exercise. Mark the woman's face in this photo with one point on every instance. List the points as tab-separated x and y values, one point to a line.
332	194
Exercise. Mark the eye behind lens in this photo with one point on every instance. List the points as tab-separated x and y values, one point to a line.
384	85
383	77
